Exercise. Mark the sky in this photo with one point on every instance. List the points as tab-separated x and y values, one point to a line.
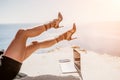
79	11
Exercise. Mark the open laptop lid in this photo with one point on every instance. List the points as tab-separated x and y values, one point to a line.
77	61
76	57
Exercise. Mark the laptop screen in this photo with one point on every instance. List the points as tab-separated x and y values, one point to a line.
76	56
77	59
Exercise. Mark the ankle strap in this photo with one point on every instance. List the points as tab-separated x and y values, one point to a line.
57	40
45	26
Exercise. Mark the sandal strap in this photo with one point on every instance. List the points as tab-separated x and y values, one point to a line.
56	23
49	25
70	32
45	26
56	40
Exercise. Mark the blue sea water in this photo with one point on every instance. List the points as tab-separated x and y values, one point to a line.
7	33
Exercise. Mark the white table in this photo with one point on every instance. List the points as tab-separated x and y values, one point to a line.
48	63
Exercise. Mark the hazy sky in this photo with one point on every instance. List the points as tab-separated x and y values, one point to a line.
79	11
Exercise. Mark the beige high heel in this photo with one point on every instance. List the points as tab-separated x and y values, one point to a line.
54	23
67	35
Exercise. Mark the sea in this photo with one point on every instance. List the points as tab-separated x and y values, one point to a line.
7	33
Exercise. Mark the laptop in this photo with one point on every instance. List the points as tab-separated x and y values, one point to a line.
77	62
76	57
67	66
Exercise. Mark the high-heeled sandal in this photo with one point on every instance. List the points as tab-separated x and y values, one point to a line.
67	35
57	21
54	23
